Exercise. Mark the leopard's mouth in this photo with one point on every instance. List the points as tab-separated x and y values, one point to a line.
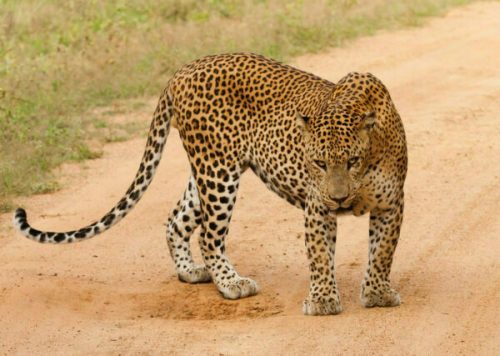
342	210
345	206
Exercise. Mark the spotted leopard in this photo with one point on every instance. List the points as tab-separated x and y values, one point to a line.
326	148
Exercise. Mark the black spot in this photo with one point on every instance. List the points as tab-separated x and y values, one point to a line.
134	195
123	204
34	232
80	234
108	219
59	237
212	198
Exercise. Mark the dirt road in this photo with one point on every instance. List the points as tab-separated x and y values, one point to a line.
118	293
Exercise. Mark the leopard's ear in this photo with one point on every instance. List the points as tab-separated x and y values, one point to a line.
368	121
302	120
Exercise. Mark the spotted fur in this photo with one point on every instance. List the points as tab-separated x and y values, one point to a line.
326	148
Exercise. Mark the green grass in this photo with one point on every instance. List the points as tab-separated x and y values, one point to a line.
61	58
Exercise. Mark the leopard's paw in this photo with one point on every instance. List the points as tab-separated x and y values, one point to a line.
238	287
382	297
322	306
195	274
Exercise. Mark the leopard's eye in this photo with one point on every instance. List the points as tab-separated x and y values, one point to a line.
352	161
320	164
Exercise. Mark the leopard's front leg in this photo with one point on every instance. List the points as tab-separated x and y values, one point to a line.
321	232
385	226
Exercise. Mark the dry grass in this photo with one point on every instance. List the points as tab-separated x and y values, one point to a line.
58	59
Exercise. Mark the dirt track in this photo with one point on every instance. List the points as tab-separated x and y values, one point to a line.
118	293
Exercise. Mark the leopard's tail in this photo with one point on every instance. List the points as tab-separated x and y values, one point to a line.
157	137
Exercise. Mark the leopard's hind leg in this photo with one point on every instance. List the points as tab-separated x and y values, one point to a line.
181	224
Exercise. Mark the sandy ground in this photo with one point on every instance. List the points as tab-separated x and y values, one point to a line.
118	293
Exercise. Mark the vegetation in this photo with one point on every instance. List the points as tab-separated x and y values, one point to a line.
61	58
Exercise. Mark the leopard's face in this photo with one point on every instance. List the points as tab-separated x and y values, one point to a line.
337	152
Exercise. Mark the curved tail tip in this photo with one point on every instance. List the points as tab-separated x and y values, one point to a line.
20	220
20	214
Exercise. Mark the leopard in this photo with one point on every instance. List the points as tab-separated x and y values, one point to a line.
327	148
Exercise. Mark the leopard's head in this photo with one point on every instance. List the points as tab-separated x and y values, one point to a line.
337	150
